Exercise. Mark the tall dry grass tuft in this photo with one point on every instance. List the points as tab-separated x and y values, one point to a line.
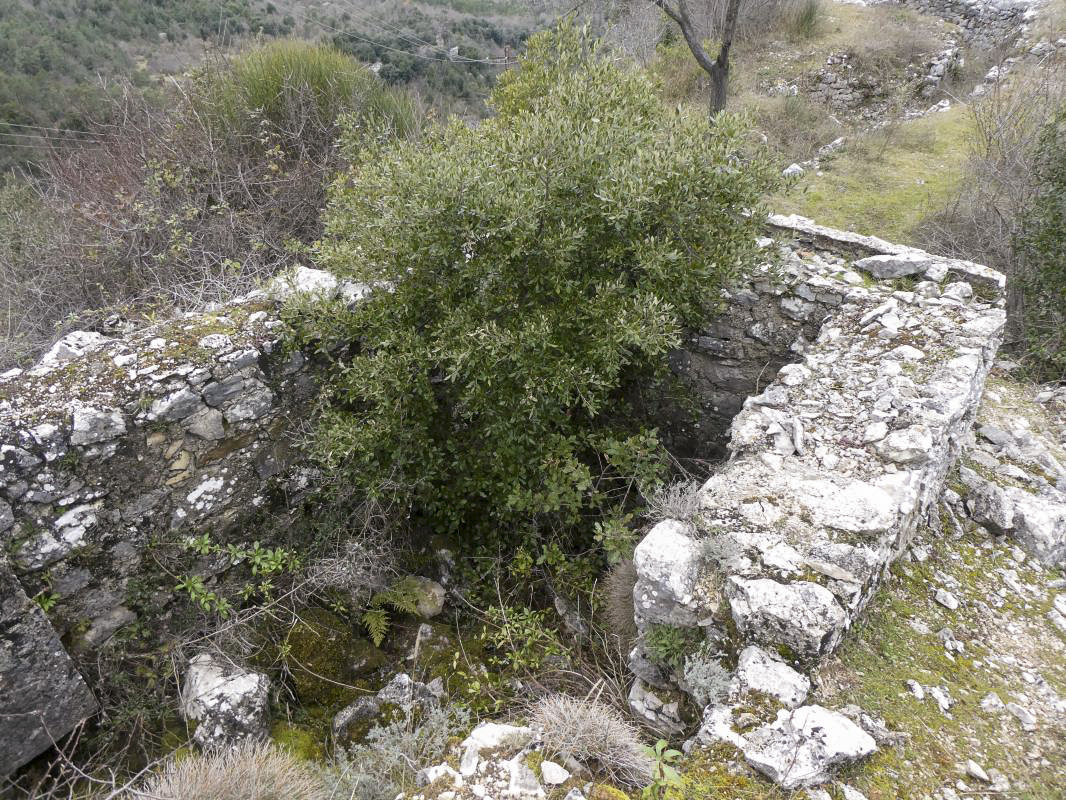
618	602
595	735
251	772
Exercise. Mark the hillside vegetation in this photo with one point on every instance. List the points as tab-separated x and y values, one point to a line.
61	59
534	215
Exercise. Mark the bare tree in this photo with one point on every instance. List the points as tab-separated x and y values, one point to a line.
717	68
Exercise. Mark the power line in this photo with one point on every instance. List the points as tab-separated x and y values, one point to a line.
350	35
45	128
43	138
390	28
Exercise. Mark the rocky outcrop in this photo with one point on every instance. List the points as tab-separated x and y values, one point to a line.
832	467
1012	480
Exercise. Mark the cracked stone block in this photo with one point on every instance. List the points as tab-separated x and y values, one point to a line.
42	695
805	746
230	705
802	618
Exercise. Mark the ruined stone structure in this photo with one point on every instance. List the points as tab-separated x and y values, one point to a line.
842	377
988	22
832	467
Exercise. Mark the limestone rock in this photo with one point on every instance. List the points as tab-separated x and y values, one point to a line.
42	696
302	280
668	563
430	597
553	774
802	616
885	267
231	705
93	425
759	671
74	345
804	746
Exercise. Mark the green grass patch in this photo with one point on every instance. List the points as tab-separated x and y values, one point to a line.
885	182
883	651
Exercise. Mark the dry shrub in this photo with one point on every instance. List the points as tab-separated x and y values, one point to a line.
618	602
679	500
185	202
891	39
985	219
251	772
593	734
757	17
794	125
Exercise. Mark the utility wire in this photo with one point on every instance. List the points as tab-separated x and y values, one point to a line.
45	128
350	35
393	29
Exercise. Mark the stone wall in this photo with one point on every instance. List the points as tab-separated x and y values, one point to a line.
831	466
112	449
986	22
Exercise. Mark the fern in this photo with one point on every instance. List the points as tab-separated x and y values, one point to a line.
376	622
402	596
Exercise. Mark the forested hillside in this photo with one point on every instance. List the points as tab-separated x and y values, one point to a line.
60	60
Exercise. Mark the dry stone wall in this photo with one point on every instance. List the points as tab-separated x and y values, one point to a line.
111	448
987	22
831	468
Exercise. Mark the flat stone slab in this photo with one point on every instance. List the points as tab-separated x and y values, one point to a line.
42	695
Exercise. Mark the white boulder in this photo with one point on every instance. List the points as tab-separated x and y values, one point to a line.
230	704
802	747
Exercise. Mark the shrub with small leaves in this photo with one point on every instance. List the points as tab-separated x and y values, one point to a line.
385	765
538	266
707	680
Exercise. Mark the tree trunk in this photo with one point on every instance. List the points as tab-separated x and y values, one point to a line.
718	69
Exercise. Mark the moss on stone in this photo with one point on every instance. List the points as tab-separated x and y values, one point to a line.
602	791
718	773
327	660
299	741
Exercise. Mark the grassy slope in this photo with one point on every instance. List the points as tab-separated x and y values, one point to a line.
883	183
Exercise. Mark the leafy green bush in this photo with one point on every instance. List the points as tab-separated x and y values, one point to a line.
1042	246
274	82
532	272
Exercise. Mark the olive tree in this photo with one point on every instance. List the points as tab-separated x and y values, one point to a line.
718	67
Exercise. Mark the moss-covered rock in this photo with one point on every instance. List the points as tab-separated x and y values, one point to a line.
329	663
297	740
